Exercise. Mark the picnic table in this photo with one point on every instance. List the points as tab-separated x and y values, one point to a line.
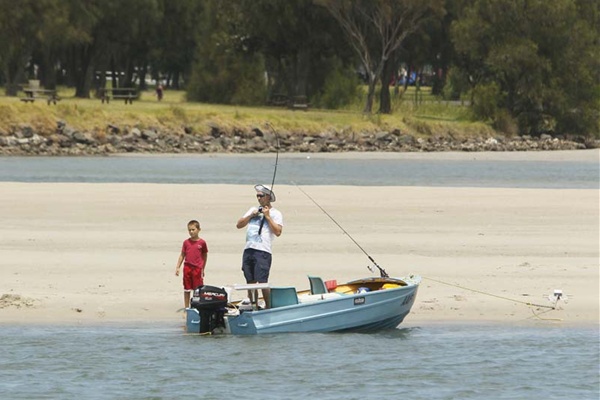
31	94
299	103
127	94
293	103
279	100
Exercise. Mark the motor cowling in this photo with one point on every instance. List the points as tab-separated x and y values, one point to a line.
210	301
209	297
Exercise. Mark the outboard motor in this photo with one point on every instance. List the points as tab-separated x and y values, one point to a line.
210	301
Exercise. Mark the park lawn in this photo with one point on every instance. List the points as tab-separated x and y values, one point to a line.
424	118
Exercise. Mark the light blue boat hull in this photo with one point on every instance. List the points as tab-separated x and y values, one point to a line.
360	312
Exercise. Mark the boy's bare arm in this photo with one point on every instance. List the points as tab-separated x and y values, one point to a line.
179	262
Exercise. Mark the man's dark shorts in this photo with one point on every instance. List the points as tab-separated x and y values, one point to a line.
256	265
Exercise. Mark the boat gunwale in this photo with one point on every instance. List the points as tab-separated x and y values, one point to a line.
315	317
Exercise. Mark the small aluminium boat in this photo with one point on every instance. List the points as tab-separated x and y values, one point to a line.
363	305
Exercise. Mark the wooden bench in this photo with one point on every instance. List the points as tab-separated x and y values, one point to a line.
33	94
279	100
127	94
299	103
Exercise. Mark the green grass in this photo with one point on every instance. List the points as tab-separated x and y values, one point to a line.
174	113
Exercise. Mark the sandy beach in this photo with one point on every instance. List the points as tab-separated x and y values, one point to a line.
74	253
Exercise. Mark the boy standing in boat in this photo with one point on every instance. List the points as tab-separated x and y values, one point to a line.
264	224
194	252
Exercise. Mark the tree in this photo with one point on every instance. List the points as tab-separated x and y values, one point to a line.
257	48
112	35
174	48
57	31
297	40
224	71
542	56
441	52
18	30
82	50
375	29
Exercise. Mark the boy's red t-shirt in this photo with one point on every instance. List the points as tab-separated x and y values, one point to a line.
194	251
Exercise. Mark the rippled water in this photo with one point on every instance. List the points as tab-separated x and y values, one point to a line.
305	170
427	362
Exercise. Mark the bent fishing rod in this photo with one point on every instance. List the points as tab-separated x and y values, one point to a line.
381	270
262	222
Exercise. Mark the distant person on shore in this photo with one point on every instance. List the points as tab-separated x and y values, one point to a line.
194	254
264	224
159	92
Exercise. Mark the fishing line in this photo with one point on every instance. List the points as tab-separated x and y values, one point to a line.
491	294
544	319
262	222
381	270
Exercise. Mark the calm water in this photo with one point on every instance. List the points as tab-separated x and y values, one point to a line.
315	170
432	362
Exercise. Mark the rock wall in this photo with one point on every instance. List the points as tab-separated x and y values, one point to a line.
65	140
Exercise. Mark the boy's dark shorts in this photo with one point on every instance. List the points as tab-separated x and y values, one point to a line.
256	265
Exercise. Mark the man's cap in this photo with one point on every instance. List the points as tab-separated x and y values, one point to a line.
266	189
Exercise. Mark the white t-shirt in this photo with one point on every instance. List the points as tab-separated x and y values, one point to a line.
262	242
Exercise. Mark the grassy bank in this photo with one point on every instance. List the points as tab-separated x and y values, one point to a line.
427	118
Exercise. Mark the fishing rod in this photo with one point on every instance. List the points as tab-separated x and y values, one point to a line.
262	222
382	272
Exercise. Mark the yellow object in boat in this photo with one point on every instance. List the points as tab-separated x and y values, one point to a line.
390	286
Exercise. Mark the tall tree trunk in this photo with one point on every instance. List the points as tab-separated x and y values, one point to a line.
48	70
143	71
128	78
14	72
370	94
408	75
116	83
385	104
175	80
101	82
83	74
439	80
302	70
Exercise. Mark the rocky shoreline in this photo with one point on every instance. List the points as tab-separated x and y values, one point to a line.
23	140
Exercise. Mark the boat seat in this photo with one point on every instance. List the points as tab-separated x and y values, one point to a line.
283	296
317	286
311	298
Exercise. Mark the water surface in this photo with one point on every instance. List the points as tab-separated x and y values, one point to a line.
429	362
427	170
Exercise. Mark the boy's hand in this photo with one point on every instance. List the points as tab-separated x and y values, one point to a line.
176	271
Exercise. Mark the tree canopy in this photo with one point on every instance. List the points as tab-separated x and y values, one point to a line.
539	56
529	64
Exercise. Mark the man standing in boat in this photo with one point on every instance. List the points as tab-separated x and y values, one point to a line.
264	223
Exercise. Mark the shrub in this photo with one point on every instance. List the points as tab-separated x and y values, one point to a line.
485	100
240	82
457	83
341	88
505	123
